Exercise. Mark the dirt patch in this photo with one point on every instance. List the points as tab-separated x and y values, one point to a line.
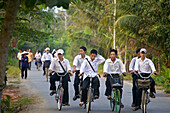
26	89
23	98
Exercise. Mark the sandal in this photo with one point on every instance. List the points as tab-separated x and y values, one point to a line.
52	93
136	108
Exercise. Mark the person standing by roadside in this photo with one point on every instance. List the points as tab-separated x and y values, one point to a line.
19	56
24	64
30	58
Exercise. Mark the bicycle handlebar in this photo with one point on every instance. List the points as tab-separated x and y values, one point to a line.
59	74
144	77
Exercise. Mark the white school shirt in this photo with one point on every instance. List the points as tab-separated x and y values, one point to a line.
114	68
47	57
19	56
145	66
55	66
132	64
38	56
78	60
86	68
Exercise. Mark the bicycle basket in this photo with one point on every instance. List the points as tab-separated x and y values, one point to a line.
143	83
116	82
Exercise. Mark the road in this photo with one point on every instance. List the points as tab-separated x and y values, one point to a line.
161	104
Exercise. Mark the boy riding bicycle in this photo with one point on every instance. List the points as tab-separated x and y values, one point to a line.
145	66
61	66
115	67
78	60
89	67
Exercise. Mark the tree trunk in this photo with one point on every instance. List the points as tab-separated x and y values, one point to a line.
119	53
5	37
126	56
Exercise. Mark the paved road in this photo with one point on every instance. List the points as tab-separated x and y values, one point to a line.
35	80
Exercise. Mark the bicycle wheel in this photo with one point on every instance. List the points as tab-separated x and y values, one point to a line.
88	101
144	104
60	100
46	70
117	101
112	103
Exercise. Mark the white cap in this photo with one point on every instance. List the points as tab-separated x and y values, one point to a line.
24	52
60	51
143	50
47	49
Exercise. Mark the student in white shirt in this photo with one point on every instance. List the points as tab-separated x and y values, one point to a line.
19	56
47	59
144	66
38	59
95	59
78	60
56	67
115	67
134	76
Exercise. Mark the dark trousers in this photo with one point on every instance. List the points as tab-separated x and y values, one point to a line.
54	78
134	88
20	64
77	81
46	65
85	85
29	65
24	69
139	92
108	85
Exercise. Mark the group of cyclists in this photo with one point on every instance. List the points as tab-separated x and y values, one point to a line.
85	66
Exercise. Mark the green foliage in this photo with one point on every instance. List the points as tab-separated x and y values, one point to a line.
163	79
12	61
5	105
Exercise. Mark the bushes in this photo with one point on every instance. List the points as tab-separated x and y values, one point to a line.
12	61
163	79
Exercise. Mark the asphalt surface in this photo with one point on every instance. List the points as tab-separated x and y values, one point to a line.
161	104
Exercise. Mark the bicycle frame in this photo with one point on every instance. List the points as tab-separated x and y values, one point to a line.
145	95
115	101
60	90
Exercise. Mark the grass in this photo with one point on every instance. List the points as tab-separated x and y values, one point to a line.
15	82
13	72
25	101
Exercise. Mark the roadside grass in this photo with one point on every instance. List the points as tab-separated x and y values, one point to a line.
9	106
24	101
13	72
15	82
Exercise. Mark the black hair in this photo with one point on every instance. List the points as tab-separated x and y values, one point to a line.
113	50
138	50
84	48
93	51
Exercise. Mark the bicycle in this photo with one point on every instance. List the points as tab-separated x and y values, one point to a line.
81	81
144	84
115	101
90	96
59	92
